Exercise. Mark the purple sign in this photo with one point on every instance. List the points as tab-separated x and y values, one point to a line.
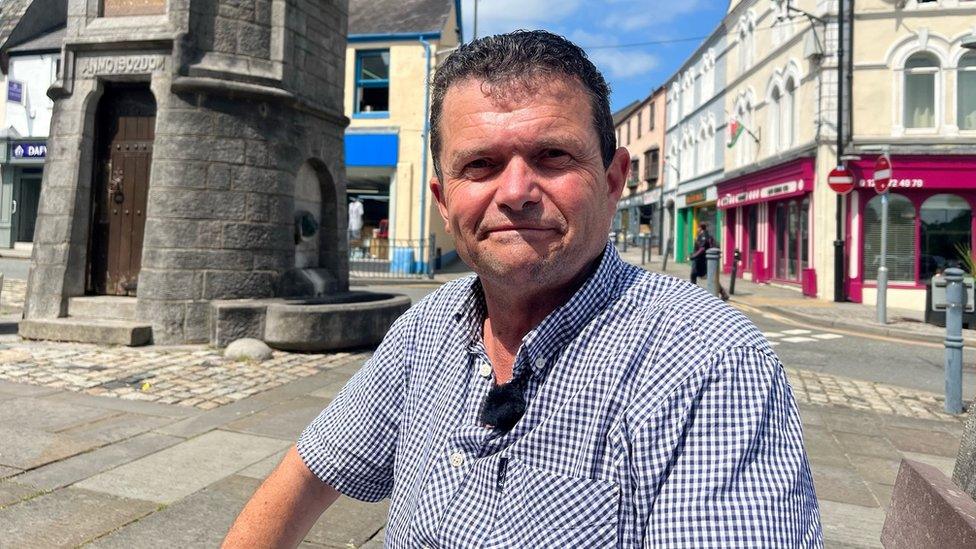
15	91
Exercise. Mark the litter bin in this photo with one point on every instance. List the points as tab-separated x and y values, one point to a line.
935	303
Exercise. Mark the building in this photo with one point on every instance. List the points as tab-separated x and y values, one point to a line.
195	156
393	47
640	128
30	53
783	111
914	90
694	161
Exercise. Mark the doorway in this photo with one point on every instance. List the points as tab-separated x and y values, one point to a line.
124	133
27	195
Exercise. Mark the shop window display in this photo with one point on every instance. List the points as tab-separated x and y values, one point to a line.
901	239
946	224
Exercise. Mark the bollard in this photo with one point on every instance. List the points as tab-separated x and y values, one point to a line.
667	252
711	256
955	303
625	239
736	257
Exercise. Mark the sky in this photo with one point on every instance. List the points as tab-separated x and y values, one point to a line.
606	28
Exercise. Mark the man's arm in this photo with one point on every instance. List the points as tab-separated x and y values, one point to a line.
284	507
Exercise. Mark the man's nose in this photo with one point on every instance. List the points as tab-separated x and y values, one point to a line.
518	186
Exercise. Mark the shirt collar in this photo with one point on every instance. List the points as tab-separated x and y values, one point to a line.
541	345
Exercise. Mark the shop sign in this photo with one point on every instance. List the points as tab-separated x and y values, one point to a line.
15	91
765	193
907	183
695	197
28	150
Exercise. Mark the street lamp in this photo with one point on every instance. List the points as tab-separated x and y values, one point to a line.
475	21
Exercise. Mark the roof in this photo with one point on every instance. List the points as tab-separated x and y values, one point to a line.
45	42
386	17
623	113
10	13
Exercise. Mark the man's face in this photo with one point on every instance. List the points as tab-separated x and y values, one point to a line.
524	190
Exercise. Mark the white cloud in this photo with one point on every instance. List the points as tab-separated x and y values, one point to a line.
623	64
631	16
498	16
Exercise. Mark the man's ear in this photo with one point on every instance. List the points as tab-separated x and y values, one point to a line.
617	173
438	191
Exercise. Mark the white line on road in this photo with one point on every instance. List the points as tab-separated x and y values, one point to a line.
796	332
827	336
773	334
798	339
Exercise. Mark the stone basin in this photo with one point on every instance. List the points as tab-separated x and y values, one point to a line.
324	323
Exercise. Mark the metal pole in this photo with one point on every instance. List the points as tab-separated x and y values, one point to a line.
430	257
883	268
475	21
736	257
667	252
839	294
955	303
711	256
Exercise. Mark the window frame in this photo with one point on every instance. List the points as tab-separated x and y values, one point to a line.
958	95
381	83
937	84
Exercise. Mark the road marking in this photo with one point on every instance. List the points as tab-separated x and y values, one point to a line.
796	332
798	339
773	334
827	336
773	343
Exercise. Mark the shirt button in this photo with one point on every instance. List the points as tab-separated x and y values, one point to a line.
540	363
457	459
484	370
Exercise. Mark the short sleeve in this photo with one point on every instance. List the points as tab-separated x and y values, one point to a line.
351	444
728	461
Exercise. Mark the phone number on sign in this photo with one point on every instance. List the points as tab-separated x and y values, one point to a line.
895	183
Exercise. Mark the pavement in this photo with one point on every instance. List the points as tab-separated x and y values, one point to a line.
161	446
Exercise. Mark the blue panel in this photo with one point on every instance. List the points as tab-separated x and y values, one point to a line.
372	149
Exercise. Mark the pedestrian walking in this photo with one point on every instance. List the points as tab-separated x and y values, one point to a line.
699	261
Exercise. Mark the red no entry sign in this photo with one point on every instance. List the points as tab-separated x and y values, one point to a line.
882	174
841	180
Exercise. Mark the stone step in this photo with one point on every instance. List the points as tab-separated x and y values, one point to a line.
103	306
87	330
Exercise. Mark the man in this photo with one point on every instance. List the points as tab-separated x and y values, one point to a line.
699	263
561	398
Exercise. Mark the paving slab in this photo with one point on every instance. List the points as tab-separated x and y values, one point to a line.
24	390
82	466
123	405
877	470
9	471
823	448
27	449
180	470
67	517
862	445
200	520
13	492
285	420
349	523
47	415
923	441
118	427
846	525
843	485
263	468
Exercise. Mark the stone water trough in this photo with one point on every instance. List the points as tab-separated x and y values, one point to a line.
337	321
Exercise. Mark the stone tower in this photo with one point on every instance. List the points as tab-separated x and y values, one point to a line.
195	157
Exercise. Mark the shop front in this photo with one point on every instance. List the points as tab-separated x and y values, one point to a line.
21	170
768	219
696	208
930	225
639	214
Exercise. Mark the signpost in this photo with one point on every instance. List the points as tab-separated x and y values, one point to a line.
882	176
840	180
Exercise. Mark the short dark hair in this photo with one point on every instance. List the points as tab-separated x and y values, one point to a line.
520	56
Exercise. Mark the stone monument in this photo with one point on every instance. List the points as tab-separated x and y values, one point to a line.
194	171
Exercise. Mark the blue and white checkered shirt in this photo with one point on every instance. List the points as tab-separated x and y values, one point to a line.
657	417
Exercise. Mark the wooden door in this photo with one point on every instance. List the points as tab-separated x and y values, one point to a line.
127	121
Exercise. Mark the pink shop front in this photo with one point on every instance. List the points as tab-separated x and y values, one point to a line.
768	220
930	224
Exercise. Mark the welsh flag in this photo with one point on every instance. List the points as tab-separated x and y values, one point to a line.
735	130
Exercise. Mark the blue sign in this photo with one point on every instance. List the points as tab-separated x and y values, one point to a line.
28	150
15	91
372	150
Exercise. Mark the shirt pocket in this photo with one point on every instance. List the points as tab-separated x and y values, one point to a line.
538	508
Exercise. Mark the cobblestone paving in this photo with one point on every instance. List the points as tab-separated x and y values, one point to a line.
188	376
829	390
12	295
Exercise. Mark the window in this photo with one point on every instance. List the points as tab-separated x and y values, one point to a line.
634	170
747	35
687	158
773	121
652	164
628	132
650	119
687	94
787	115
901	239
966	91
640	123
618	137
372	81
946	222
921	71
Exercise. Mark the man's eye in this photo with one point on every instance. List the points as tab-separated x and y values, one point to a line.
555	153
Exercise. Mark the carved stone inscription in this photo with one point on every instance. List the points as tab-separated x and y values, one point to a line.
119	8
122	64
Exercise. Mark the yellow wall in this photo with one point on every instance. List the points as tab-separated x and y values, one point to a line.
407	88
